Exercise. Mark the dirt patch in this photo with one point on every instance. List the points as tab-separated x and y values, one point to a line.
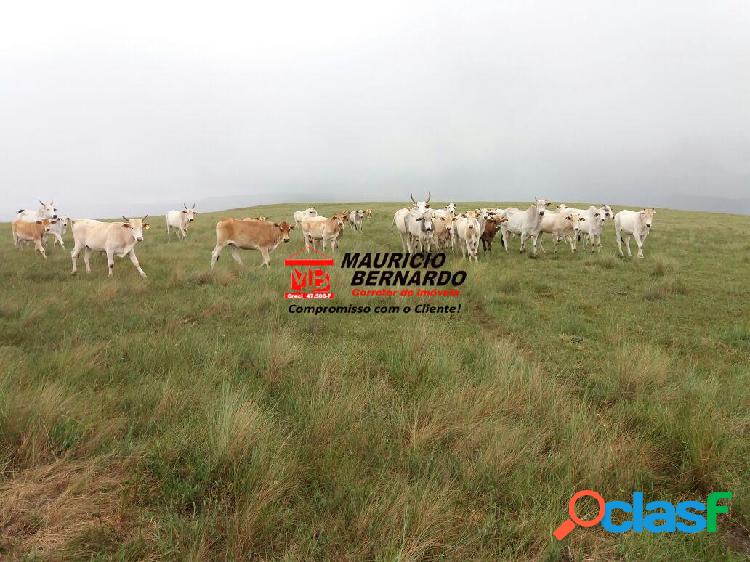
50	509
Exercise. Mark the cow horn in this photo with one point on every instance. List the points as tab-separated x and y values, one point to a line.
184	205
42	202
193	207
126	219
144	217
428	197
412	198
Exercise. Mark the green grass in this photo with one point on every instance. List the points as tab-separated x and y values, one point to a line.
190	416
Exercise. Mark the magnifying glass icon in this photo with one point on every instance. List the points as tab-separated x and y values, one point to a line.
569	524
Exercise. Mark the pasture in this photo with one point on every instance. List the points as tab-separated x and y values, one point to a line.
190	416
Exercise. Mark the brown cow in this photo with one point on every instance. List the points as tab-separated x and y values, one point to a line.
249	235
491	228
32	232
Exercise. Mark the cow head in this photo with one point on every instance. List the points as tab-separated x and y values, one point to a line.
607	211
311	212
47	210
647	216
421	205
136	227
426	220
285	228
451	208
541	206
46	224
189	212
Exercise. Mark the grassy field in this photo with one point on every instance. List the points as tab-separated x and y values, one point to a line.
190	416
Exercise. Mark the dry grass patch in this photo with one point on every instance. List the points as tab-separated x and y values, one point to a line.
49	508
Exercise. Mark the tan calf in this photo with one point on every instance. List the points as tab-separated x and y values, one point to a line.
32	232
251	234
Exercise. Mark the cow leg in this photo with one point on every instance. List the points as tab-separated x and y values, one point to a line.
236	254
627	245
639	243
110	263
618	235
266	256
134	259
40	248
87	259
215	254
538	240
59	239
183	232
168	232
74	257
523	242
534	239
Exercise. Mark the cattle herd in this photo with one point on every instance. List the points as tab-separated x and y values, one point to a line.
420	227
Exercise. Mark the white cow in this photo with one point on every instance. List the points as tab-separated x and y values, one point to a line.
562	226
57	230
526	224
112	238
468	233
419	227
592	226
399	218
180	220
299	216
46	211
356	218
636	224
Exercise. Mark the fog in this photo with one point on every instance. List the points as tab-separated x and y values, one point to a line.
142	106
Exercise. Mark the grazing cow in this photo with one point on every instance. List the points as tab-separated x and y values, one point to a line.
491	228
264	236
323	229
562	226
636	224
419	227
356	218
113	238
180	220
46	211
467	230
57	229
25	231
527	224
442	224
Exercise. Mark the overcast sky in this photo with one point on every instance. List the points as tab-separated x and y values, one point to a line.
107	105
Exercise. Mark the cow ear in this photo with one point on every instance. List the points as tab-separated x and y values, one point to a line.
277	225
146	226
184	211
39	222
581	219
126	225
